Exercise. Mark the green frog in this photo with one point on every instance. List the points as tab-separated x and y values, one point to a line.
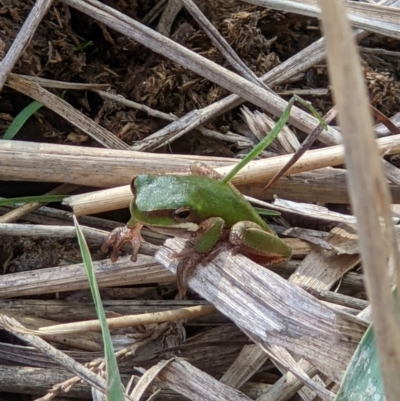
202	208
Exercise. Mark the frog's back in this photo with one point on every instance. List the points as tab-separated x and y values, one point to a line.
207	197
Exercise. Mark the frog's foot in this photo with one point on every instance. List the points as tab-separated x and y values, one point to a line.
221	246
186	253
185	269
119	236
190	258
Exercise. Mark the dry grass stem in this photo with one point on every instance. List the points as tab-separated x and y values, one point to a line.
191	382
73	277
51	83
147	378
48	215
133	320
65	110
108	168
23	38
74	310
87	342
260	125
14	327
222	45
303	318
168	15
284	71
134	105
206	68
323	186
368	189
384	20
288	385
118	167
247	363
255	287
93	236
264	169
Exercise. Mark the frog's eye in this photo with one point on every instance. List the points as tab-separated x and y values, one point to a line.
183	214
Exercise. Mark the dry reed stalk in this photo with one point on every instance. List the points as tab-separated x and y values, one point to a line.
271	311
191	60
109	168
368	190
73	277
102	167
191	312
83	372
65	110
256	171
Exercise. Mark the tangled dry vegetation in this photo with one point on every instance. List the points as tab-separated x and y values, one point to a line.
134	101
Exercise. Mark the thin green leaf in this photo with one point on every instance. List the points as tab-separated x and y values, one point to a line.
272	135
363	378
114	385
33	199
21	118
84	45
266	212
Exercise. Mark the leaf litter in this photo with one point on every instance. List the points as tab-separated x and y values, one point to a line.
284	321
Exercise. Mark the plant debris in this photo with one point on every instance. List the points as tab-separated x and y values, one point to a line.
101	88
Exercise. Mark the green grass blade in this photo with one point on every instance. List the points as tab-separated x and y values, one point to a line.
33	199
266	212
272	135
362	380
114	385
84	45
21	119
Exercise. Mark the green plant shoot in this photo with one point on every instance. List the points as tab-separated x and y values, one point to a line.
273	134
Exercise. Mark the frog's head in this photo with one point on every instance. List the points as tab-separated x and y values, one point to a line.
163	202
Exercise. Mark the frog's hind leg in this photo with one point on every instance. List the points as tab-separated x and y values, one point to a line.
251	239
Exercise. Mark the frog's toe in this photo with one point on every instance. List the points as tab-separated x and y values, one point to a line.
115	254
182	277
181	288
185	270
119	236
110	240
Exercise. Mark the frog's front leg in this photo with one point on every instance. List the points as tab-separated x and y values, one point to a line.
209	232
119	236
251	239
